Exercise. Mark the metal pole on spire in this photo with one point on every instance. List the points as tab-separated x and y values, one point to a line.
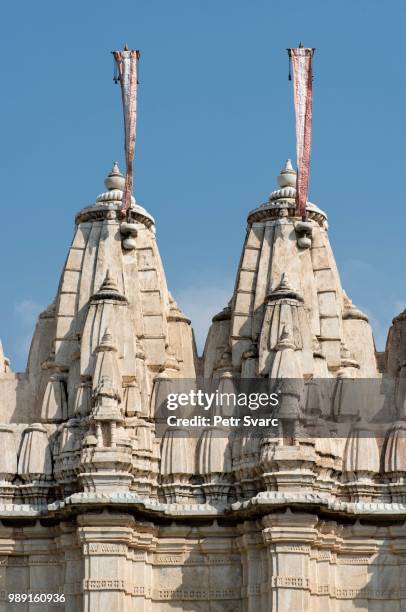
126	70
301	59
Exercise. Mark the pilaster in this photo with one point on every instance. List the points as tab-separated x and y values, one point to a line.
105	539
288	537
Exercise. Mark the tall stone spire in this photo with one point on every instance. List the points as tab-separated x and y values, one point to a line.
278	250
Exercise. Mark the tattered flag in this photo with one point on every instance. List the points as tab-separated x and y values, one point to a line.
302	91
126	63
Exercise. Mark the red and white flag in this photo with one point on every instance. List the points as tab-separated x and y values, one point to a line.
302	92
127	75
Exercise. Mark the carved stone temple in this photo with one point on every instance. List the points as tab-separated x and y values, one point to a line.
95	505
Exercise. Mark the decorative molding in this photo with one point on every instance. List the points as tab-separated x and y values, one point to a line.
105	548
195	594
102	584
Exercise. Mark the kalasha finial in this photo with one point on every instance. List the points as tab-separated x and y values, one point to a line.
126	47
287	177
115	180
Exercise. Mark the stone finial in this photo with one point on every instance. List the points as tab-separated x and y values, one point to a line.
4	362
175	313
107	343
351	311
287	177
171	363
115	180
109	281
284	284
109	290
283	290
225	361
285	340
223	315
346	358
109	284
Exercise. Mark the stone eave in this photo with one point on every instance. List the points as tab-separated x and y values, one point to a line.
285	207
264	503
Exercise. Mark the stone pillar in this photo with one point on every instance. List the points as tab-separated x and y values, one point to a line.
3	583
105	539
73	570
398	547
42	566
288	537
253	578
6	547
144	544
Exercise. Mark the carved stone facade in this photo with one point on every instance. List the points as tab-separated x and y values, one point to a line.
95	506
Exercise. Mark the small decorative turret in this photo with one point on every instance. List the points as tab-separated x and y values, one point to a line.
109	290
106	456
285	365
35	464
214	461
394	461
284	290
106	363
8	463
284	306
177	466
82	403
346	403
360	463
54	404
67	455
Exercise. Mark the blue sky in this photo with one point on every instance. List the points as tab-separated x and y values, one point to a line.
215	125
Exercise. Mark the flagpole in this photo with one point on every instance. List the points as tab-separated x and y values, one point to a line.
300	58
126	73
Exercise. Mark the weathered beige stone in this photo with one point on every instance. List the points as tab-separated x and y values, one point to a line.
97	506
